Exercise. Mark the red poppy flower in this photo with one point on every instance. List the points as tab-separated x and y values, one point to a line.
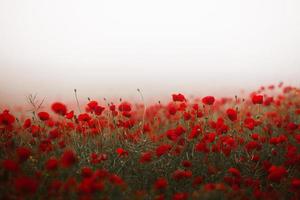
252	145
6	118
84	117
43	116
27	123
210	137
202	147
178	97
208	100
276	173
295	184
180	196
51	164
181	174
196	130
23	153
92	105
122	152
70	115
146	157
197	181
172	109
86	172
68	158
255	136
59	108
10	165
249	123
116	180
98	110
186	163
257	99
26	185
125	106
163	149
235	172
232	114
160	184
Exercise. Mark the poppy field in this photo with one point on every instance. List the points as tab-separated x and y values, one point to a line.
187	148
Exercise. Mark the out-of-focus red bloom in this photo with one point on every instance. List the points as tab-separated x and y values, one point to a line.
43	116
174	134
181	174
55	133
59	108
295	184
68	158
45	145
26	185
84	117
180	196
27	123
276	173
51	164
197	181
257	99
297	137
287	89
160	184
112	107
196	130
121	152
98	110
10	165
125	106
234	171
291	126
252	145
187	116
208	100
54	187
23	153
146	128
34	129
163	149
210	137
86	172
202	147
116	180
178	97
268	101
126	114
186	163
232	114
6	118
92	105
70	115
255	136
88	186
172	109
146	157
278	140
249	123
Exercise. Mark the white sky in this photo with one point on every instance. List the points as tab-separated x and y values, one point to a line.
110	48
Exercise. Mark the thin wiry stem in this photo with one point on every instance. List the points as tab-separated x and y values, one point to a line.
144	110
32	100
78	106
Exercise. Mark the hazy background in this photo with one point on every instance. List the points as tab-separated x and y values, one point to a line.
110	48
